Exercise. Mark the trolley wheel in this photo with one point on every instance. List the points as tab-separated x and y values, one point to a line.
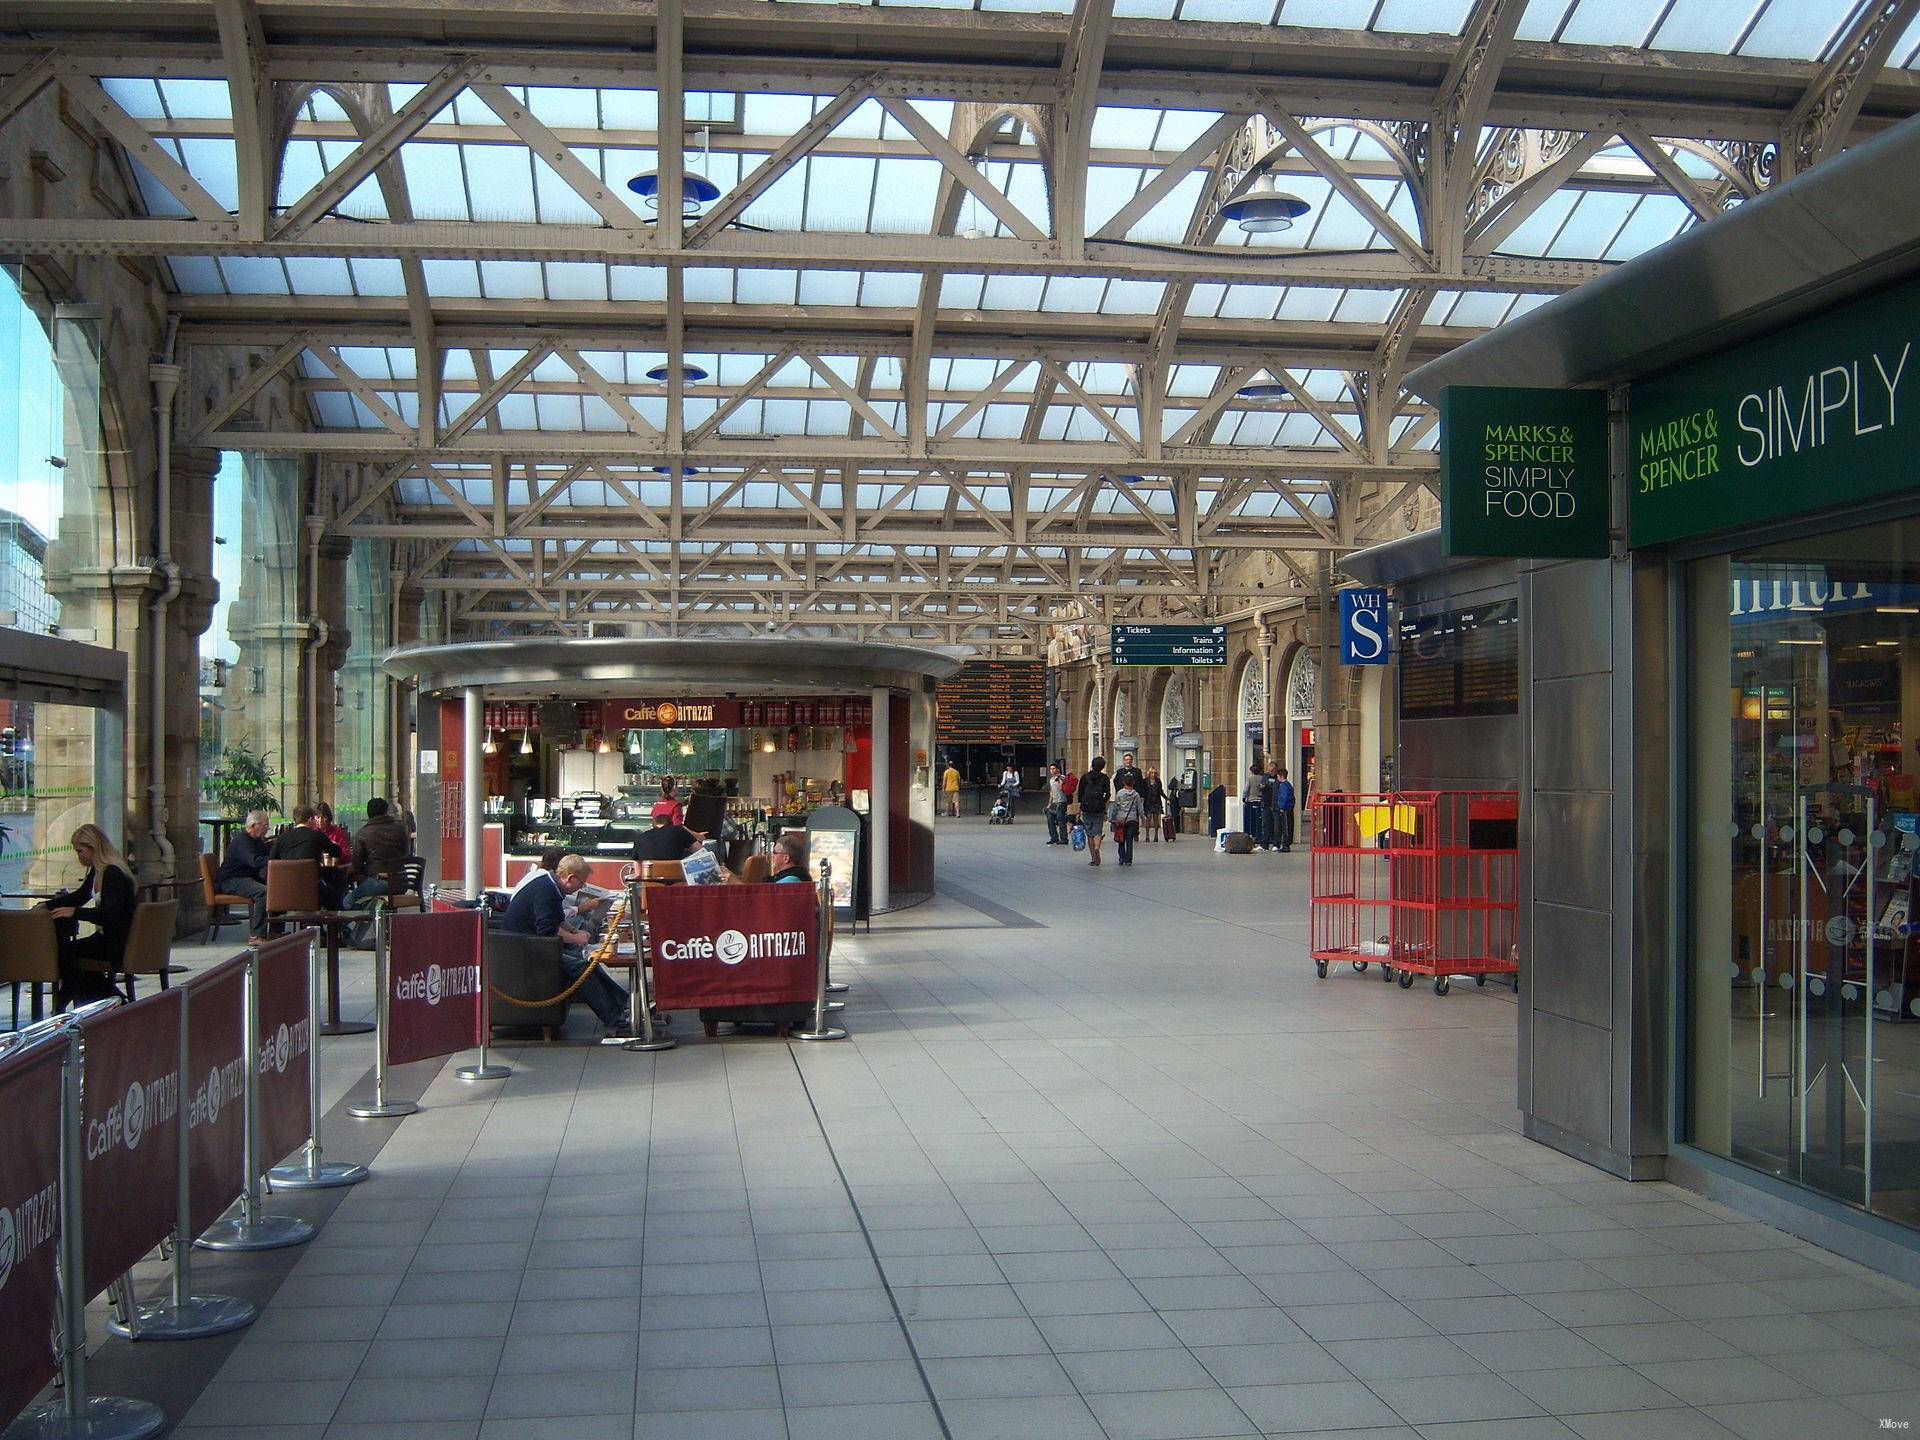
1360	966
1406	979
1320	968
1441	984
1481	981
1386	972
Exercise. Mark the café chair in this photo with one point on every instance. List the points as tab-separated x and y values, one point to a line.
218	903
523	968
149	946
292	886
407	884
662	872
757	871
29	953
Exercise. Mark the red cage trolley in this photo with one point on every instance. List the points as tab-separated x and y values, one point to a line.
1351	873
1421	882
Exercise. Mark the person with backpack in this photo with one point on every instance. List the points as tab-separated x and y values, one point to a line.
1094	791
1283	807
1126	810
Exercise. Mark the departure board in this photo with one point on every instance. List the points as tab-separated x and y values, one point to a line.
1460	663
994	702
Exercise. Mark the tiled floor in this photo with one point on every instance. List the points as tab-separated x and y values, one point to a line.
1102	1159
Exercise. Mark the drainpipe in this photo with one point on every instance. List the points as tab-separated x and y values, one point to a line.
166	384
317	637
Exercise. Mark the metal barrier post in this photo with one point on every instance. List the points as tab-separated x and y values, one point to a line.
823	912
75	1415
640	1001
382	1108
253	1228
310	1172
486	1069
183	1315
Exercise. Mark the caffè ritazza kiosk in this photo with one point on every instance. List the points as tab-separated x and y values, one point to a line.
1719	698
569	743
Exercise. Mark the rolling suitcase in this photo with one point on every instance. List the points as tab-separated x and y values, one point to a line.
1169	828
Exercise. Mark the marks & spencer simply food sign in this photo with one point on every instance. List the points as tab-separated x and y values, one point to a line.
1821	413
1523	472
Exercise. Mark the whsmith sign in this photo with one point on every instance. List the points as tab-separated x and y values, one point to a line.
1822	413
1523	472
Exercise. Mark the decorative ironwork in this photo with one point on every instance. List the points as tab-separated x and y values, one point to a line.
1303	687
1253	689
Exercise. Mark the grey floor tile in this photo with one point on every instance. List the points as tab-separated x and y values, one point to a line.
532	1397
1593	1388
1434	1399
765	1424
851	1382
865	1422
1170	1415
729	1387
1299	1409
1047	1417
999	1377
1729	1380
1100	1371
1413	1356
1504	1351
700	1347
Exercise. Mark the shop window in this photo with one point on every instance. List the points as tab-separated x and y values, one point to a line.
1803	984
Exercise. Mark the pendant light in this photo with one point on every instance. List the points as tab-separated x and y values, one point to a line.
633	742
603	747
487	747
1263	209
526	742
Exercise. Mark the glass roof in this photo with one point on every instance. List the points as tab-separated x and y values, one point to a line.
803	305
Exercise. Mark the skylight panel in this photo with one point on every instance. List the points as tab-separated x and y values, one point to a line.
1536	232
1798	29
1133	297
140	98
1656	220
212	163
785	417
749	419
568	107
500	181
576	280
637	282
378	277
452	279
517	412
1253	302
436	181
907	191
828	417
1612	22
1118	127
319	275
597	415
558	203
1073	295
196	99
839	191
829	287
1422	17
510	280
335	409
961	292
1316	14
1365	306
1013	292
1591	225
1706	27
1309	302
199	275
558	412
628	109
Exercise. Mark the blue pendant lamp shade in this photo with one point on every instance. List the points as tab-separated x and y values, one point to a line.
1261	209
1263	390
689	471
695	190
689	374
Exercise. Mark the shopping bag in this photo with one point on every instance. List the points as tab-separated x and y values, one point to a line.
1078	835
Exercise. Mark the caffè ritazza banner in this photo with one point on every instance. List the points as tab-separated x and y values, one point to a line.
1523	472
1823	413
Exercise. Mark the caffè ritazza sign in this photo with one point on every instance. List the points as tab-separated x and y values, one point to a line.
1822	413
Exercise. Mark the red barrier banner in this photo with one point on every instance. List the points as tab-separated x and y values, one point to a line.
435	985
731	944
29	1221
130	1135
216	1071
286	1034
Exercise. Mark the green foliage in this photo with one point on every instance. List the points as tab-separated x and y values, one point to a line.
241	782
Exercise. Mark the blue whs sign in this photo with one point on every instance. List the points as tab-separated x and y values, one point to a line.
1363	627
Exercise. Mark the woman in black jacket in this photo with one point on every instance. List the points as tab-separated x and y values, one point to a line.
105	898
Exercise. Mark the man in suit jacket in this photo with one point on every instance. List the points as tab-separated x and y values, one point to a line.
539	907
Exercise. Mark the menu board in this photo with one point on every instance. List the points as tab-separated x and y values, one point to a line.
1460	663
994	702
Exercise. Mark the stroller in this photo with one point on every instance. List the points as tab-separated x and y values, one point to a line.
1002	813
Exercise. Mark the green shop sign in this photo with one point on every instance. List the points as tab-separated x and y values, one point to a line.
1523	472
1822	413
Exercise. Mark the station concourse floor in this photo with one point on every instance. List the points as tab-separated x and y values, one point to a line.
1101	1158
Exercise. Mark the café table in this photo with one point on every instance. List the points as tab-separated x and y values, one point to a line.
330	923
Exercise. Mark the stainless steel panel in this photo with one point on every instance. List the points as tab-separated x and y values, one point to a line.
1480	752
1651	792
1572	845
1572	972
1567	620
1573	733
1573	1077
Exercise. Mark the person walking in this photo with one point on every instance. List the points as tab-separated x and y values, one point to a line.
1058	797
1125	813
1154	796
1010	789
1128	771
950	788
1283	806
1253	793
1093	793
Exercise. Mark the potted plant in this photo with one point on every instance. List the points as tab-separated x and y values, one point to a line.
242	781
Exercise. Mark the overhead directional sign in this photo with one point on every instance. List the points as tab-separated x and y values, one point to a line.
1169	644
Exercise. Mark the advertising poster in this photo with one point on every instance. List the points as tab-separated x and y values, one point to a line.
129	1135
435	985
715	945
839	848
